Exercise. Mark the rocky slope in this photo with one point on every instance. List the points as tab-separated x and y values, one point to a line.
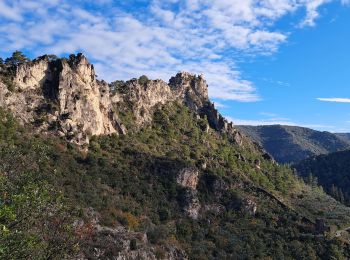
164	176
291	144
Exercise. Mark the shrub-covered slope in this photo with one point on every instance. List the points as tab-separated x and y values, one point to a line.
130	195
176	181
291	144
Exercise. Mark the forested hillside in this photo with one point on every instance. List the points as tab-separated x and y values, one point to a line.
331	171
164	176
291	144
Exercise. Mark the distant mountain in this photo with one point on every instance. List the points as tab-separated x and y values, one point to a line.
331	171
344	136
292	144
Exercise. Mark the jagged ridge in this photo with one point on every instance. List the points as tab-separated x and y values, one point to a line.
63	96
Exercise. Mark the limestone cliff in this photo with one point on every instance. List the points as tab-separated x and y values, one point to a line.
141	98
63	97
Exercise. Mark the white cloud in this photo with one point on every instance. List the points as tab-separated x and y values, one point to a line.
201	36
312	12
337	100
9	12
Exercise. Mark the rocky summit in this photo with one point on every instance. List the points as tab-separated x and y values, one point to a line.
64	97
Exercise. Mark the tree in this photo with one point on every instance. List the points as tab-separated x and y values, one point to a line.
1	61
52	57
335	252
118	86
17	58
143	80
312	180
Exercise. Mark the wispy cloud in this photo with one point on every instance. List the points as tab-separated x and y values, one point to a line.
158	38
337	100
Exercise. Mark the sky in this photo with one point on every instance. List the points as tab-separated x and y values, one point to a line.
265	61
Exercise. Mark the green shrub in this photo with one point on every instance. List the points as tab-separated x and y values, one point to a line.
143	80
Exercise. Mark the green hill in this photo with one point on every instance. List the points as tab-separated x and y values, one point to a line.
291	144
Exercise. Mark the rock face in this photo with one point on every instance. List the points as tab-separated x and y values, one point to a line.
185	88
143	97
84	103
219	123
63	97
188	179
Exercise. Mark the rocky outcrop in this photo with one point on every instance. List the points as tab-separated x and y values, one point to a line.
219	123
188	179
192	205
119	243
249	206
84	103
190	89
63	97
143	97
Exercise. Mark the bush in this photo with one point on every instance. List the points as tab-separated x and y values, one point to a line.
158	234
127	219
164	214
143	80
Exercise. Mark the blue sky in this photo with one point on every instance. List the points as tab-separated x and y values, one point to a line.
266	61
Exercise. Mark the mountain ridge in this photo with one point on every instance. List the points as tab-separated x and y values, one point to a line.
175	181
292	144
64	95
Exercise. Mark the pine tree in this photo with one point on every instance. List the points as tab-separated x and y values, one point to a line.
334	191
17	58
341	196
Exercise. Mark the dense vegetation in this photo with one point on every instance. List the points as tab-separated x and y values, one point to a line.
332	173
35	222
292	144
130	180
